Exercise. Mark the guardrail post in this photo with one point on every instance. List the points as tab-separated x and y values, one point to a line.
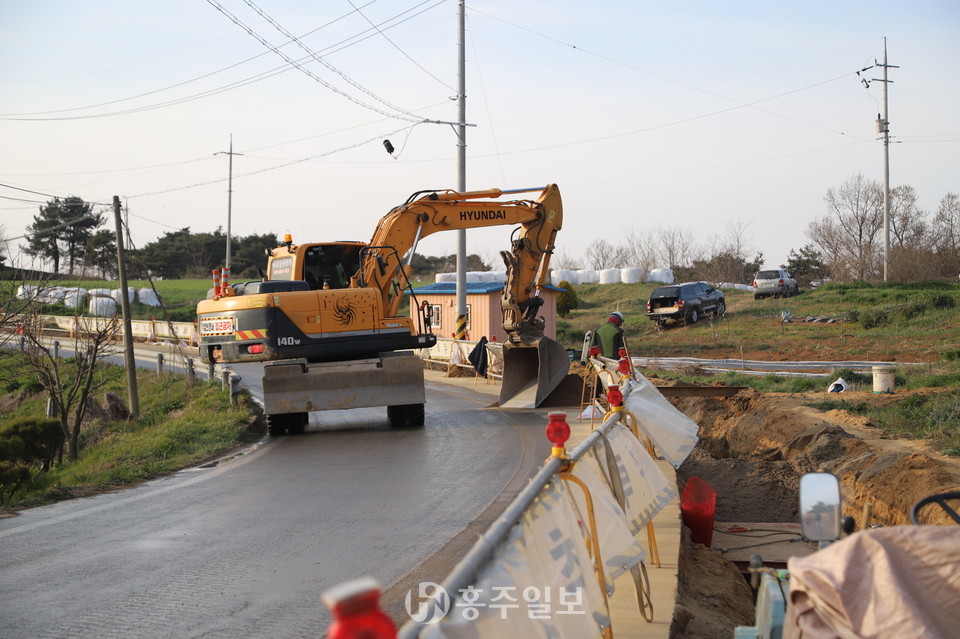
225	379
23	342
191	373
159	364
210	372
234	389
52	411
56	349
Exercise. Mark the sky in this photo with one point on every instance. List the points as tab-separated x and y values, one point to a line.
700	116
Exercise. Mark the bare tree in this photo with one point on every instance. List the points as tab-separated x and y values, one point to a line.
640	249
563	260
69	384
600	254
850	235
946	231
675	246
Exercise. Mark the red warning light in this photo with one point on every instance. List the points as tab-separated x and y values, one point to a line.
558	431
355	606
614	396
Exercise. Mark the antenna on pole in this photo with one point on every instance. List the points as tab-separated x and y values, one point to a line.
883	128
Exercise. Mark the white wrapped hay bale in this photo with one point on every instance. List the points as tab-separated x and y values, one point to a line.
610	276
631	275
101	306
75	297
661	275
131	294
51	295
148	297
99	292
26	291
474	276
568	276
445	277
588	276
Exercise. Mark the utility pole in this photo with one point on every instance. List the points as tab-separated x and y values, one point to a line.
461	328
129	363
883	127
229	195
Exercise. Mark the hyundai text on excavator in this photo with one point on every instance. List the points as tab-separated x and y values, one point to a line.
326	316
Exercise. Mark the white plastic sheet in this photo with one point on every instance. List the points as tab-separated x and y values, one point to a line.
543	571
673	433
618	547
838	386
646	489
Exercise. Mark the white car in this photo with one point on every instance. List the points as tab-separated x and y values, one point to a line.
776	282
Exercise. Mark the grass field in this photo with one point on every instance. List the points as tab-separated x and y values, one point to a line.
180	425
908	323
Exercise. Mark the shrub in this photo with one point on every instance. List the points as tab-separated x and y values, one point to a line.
943	301
874	317
567	300
26	443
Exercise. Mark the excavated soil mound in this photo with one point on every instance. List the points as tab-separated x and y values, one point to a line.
753	449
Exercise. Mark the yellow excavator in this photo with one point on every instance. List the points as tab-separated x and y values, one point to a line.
326	316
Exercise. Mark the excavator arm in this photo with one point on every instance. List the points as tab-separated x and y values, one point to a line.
426	213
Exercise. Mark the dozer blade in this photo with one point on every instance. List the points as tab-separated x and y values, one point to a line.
531	372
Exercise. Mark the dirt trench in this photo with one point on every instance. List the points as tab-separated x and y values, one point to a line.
753	449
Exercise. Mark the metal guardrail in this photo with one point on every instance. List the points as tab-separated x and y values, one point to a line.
560	467
469	567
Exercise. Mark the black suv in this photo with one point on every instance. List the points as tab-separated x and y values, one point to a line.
686	302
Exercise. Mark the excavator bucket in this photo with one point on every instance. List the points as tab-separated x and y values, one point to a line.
531	372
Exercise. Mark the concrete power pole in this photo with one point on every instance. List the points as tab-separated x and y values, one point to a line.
229	195
461	327
883	127
130	364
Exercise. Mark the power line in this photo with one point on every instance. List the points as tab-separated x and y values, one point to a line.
672	80
395	46
346	43
296	64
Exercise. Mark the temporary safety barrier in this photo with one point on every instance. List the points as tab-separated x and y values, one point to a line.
557	549
453	352
177	331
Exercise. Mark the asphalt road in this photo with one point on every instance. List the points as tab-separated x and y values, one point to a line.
244	548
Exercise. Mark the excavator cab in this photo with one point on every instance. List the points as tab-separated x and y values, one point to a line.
329	266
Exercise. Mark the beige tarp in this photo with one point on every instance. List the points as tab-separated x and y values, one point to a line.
899	581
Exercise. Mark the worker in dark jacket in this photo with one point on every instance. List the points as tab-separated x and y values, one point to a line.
610	336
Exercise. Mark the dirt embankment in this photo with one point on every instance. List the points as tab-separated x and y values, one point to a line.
753	449
779	430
